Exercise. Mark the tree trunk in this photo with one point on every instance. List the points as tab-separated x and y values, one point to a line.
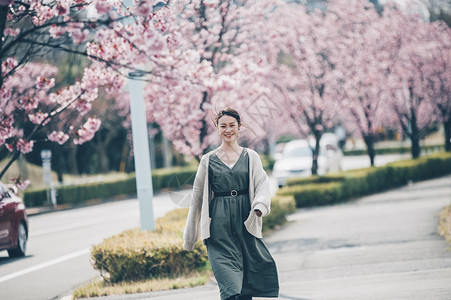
23	168
204	128
167	153
11	161
3	15
369	141
415	137
72	161
124	157
57	161
447	125
315	152
104	162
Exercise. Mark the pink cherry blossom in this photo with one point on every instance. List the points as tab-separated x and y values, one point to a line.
144	8
23	184
58	136
103	6
45	83
11	31
79	36
62	8
43	13
57	31
8	65
38	118
24	146
20	183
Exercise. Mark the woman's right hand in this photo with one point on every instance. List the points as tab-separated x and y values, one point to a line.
258	212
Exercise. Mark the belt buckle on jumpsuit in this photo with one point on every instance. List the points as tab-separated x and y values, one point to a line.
233	193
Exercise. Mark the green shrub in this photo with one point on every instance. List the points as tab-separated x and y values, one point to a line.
74	194
281	206
314	194
138	255
445	223
394	150
170	178
320	190
173	178
35	197
335	177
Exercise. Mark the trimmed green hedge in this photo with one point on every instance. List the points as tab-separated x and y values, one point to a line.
281	206
172	178
395	150
139	255
315	179
330	189
168	178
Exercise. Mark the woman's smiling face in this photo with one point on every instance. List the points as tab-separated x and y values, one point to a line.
228	128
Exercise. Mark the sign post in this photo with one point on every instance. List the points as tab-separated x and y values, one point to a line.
46	156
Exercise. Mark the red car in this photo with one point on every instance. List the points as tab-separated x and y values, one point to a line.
13	222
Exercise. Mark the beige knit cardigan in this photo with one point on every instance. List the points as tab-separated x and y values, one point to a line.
198	221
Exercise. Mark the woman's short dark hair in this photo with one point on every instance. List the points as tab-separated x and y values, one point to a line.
228	112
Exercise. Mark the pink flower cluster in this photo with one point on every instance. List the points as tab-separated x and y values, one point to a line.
9	64
11	31
6	128
58	136
87	132
20	183
103	6
38	118
23	146
43	13
45	83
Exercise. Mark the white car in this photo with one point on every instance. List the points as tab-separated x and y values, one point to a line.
296	159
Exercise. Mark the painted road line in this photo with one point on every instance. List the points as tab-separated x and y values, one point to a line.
45	264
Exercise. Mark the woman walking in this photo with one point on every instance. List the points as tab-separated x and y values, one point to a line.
230	197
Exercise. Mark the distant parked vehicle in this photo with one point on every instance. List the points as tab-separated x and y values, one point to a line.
13	222
296	159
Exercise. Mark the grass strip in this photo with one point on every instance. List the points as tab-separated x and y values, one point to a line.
445	224
101	288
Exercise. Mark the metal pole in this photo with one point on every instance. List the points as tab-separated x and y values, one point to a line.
143	168
141	152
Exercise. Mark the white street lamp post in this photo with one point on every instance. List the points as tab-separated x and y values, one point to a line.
143	169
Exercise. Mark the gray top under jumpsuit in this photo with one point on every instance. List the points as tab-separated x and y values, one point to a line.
240	262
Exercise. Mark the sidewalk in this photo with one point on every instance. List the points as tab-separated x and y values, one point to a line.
383	246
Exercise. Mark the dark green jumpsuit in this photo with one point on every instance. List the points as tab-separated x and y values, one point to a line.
240	262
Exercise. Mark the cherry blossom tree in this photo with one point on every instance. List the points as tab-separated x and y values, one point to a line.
409	71
219	51
396	48
438	68
308	79
30	31
364	51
